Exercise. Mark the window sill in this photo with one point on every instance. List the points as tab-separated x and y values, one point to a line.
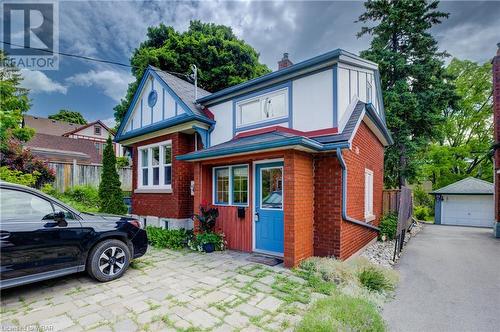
369	218
153	191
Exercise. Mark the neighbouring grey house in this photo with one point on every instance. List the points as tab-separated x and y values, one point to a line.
468	202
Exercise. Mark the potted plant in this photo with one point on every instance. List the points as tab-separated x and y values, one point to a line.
207	242
207	218
207	239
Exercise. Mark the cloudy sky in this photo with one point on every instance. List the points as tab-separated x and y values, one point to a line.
111	30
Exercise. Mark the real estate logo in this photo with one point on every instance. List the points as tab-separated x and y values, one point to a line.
31	34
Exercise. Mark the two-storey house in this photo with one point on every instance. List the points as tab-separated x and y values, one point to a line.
293	159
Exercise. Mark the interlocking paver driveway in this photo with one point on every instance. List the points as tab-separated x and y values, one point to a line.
164	290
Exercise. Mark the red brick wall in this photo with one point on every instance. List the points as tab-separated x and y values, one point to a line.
366	152
179	203
327	205
496	119
298	207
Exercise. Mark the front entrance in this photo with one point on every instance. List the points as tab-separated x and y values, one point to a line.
268	219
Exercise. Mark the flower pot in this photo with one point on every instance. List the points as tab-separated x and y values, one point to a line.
208	247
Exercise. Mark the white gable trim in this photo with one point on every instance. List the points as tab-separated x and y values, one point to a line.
139	104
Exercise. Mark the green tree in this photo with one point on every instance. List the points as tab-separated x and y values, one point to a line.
464	149
222	59
414	83
110	192
69	116
14	102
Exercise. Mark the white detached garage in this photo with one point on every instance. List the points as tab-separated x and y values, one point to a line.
468	202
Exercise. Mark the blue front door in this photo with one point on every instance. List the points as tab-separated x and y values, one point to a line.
269	225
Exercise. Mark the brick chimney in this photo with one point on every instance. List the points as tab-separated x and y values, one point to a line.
496	121
285	62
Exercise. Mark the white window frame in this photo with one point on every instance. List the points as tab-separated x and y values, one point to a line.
283	91
161	182
369	92
282	189
230	195
369	215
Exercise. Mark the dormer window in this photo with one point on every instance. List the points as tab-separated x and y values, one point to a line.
97	130
269	106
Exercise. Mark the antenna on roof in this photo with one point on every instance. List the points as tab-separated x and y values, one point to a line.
195	78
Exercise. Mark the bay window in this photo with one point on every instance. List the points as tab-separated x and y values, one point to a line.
155	166
231	185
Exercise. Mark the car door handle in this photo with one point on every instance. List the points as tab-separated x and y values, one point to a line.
4	235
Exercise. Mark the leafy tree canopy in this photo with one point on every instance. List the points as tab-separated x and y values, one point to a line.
14	103
415	84
464	149
69	116
222	59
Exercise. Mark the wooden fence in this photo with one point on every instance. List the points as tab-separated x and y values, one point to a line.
70	175
390	200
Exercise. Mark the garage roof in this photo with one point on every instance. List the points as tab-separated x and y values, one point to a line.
468	186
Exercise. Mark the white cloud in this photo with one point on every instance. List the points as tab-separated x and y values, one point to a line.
113	83
110	122
38	82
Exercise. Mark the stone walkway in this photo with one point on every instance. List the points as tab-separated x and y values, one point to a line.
164	290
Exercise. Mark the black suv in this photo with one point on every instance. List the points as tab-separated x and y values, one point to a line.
43	238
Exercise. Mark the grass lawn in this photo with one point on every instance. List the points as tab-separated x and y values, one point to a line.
340	312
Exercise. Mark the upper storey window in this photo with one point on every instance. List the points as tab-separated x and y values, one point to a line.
265	107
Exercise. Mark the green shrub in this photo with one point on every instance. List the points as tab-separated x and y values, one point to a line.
342	313
423	198
18	177
168	238
421	212
122	162
110	192
388	226
81	198
197	242
374	279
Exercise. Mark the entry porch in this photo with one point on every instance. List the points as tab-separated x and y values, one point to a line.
265	201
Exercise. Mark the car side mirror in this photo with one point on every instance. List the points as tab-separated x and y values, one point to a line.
60	219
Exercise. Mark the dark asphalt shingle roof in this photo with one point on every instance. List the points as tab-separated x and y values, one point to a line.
62	144
49	126
183	89
469	185
349	128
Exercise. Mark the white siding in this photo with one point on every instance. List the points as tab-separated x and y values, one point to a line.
353	83
163	109
312	101
146	110
169	105
343	93
224	128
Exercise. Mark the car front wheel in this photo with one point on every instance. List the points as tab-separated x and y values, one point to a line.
108	260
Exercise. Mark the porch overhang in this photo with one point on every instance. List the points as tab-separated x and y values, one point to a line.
293	142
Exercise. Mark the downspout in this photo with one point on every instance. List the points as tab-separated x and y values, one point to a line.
344	196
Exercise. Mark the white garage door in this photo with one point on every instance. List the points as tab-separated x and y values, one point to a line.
467	210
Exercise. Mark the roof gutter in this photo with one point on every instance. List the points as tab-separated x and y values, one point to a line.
344	195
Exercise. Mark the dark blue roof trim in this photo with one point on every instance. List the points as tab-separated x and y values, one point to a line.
286	71
179	119
258	146
372	114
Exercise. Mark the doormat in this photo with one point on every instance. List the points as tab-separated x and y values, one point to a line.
266	260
